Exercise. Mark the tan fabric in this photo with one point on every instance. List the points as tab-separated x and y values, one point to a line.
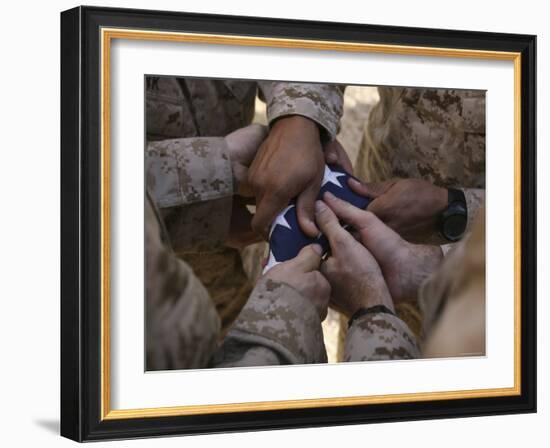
432	134
277	326
182	325
453	300
380	337
189	175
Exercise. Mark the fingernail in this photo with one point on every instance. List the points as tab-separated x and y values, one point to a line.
329	195
331	157
317	249
354	182
320	206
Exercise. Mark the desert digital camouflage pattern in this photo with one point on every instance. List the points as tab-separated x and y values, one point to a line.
277	326
180	108
182	325
183	329
432	134
191	181
453	300
380	337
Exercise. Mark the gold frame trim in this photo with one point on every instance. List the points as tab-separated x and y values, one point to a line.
107	35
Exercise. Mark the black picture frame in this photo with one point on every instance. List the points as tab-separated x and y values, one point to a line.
81	226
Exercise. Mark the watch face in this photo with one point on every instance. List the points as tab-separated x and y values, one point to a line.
454	226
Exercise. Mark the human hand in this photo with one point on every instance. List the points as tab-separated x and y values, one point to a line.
411	207
301	274
240	229
243	144
354	275
335	154
289	164
404	265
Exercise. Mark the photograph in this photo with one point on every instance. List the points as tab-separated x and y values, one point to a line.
273	223
300	223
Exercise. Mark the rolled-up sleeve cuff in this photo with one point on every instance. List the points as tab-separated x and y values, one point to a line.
322	103
378	337
188	170
279	317
191	181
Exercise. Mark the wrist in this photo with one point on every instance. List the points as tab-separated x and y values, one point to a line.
374	295
440	199
305	124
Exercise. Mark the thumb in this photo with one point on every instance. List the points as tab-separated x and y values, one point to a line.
308	259
376	236
370	189
330	226
305	209
244	142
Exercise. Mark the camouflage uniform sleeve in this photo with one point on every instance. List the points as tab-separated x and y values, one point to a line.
379	337
322	103
182	325
277	326
191	181
475	198
452	300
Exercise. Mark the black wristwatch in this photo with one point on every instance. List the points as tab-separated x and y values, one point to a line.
454	218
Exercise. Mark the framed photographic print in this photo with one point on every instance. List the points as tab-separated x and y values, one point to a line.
272	224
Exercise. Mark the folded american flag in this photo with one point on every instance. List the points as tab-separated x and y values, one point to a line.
286	238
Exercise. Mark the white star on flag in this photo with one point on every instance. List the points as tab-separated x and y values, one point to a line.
281	220
332	177
270	262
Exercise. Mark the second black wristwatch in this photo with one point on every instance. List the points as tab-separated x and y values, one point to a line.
455	217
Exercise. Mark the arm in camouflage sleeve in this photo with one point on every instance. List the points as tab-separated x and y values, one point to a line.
322	103
277	326
182	325
379	337
191	181
452	300
475	198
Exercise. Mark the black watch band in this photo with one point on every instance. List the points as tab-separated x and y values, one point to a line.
370	310
454	218
455	196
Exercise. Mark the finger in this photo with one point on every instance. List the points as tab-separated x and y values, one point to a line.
345	162
370	189
351	214
305	209
331	157
327	267
246	141
308	259
331	228
267	209
336	154
373	233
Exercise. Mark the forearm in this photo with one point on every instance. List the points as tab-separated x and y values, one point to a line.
277	326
